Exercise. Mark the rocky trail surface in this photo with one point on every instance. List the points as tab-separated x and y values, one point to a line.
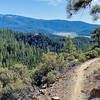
74	85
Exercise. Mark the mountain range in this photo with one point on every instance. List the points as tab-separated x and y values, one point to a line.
50	27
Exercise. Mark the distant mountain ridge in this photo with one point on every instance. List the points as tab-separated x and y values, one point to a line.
25	24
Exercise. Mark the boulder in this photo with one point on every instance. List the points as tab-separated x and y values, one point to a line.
55	98
42	92
44	86
95	92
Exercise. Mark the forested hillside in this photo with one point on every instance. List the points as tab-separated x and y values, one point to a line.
50	27
13	51
28	62
27	49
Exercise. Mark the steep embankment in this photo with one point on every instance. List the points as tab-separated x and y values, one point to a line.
71	86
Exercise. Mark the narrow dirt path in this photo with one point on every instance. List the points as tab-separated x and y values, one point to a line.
71	84
79	81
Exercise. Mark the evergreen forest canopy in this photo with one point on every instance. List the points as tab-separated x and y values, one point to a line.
27	49
28	61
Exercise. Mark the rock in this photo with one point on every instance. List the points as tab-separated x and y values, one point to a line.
35	98
97	77
44	86
95	92
42	92
50	85
55	98
49	94
84	91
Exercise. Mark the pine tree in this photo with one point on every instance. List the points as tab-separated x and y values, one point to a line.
69	46
95	35
74	6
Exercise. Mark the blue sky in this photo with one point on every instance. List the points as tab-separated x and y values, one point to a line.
42	9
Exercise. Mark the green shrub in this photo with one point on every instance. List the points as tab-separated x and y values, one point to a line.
51	77
71	58
75	54
22	72
39	73
75	61
51	62
6	76
93	54
1	85
82	57
98	50
88	55
12	80
65	55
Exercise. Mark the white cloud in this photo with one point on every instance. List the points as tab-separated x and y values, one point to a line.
54	2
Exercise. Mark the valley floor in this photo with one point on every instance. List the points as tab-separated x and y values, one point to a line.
76	84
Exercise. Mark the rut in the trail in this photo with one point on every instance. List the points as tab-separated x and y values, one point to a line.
79	81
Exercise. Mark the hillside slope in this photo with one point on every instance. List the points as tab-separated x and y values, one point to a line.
25	24
75	84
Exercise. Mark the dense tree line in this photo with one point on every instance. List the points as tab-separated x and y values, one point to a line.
13	51
95	35
54	44
27	48
41	41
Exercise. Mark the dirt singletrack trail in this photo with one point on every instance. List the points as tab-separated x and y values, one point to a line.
79	81
71	84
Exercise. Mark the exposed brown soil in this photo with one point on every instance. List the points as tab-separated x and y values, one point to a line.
76	84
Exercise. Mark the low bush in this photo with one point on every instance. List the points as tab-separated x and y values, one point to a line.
91	54
13	80
44	72
51	77
98	50
71	58
82	57
75	62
